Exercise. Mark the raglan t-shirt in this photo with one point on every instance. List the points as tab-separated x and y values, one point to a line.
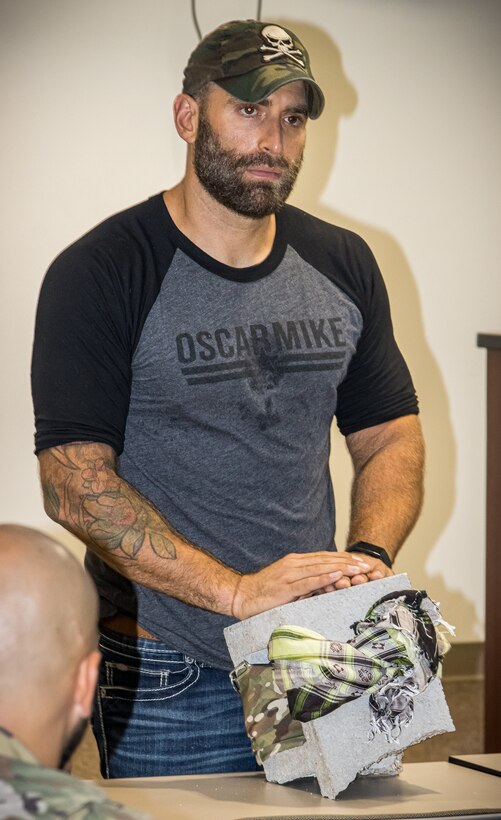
216	387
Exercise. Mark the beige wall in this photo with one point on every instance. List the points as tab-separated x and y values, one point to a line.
407	154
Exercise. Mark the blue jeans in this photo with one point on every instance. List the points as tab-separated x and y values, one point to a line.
159	712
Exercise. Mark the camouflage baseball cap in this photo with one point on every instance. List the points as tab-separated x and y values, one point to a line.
251	60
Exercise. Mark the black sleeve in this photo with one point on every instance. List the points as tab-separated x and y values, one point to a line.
378	386
93	304
81	366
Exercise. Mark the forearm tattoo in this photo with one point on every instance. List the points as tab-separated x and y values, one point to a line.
89	497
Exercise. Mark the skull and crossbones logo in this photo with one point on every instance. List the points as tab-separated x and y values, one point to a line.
279	43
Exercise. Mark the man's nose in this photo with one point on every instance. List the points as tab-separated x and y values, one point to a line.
271	136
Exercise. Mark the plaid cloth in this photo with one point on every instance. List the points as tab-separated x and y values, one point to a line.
395	652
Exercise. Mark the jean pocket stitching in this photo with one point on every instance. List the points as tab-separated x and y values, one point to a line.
164	693
116	675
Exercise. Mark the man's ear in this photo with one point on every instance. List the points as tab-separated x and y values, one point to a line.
85	683
186	117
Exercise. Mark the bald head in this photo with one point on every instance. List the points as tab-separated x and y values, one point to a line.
48	613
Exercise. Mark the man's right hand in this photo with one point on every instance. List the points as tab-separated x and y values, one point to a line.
297	575
84	493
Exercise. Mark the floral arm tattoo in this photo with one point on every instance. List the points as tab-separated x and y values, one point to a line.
84	493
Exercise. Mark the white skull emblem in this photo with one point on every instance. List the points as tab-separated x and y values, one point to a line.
279	43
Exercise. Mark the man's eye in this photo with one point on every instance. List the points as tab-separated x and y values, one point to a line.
249	110
294	119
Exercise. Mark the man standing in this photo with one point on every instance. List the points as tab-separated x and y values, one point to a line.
48	670
190	355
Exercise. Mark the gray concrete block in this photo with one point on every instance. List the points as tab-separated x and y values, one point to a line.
338	747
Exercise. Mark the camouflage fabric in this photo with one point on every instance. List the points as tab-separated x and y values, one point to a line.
268	721
29	790
251	60
396	652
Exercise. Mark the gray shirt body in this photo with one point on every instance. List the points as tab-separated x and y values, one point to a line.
234	378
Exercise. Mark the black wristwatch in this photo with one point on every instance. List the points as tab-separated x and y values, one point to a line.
371	549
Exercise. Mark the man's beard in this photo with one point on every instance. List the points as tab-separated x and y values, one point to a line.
72	742
221	172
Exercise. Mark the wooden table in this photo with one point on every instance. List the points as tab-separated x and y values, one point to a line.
432	788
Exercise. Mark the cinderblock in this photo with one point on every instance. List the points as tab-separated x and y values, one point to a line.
338	746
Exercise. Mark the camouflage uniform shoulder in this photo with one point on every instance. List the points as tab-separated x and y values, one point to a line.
28	790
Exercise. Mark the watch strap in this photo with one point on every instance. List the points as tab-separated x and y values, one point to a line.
365	548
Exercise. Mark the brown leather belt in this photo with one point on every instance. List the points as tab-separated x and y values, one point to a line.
126	625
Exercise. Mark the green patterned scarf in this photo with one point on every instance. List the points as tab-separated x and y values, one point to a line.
396	651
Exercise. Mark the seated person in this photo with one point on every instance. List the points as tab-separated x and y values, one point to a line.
48	669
